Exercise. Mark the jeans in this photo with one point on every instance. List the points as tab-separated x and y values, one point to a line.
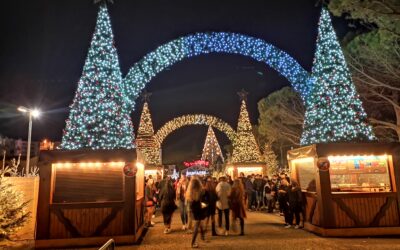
183	210
226	213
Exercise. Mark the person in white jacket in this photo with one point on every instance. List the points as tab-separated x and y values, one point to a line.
223	190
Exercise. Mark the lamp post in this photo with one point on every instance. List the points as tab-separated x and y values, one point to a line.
32	113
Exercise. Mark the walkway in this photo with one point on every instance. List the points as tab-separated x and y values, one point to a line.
263	231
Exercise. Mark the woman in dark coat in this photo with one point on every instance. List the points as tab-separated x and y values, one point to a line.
295	202
237	206
167	199
210	198
195	196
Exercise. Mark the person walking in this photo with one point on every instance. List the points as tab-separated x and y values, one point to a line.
295	202
237	205
211	199
167	203
223	191
180	197
194	196
150	202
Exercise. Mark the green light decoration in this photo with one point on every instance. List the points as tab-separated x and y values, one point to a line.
334	110
99	118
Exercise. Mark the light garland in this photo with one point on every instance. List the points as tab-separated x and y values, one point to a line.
195	119
220	42
334	110
99	116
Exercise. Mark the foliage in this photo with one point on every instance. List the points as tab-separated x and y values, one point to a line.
13	214
281	117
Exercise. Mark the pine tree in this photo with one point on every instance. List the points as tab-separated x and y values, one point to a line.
13	212
334	109
98	117
211	150
270	159
245	148
145	140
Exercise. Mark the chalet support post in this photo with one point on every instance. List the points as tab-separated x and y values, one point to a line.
324	198
129	208
44	199
396	170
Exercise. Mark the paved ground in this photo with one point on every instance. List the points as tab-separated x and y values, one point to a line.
263	231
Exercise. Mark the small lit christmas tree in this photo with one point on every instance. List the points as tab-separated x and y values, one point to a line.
211	150
245	148
99	118
145	140
270	159
334	109
13	211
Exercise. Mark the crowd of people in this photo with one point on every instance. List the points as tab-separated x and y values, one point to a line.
200	199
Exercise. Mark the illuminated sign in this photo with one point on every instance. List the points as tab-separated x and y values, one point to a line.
196	163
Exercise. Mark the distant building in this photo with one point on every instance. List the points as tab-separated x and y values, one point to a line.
20	147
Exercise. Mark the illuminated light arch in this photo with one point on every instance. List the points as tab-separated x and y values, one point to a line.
194	119
214	42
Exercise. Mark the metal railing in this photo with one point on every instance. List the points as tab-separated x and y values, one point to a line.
109	245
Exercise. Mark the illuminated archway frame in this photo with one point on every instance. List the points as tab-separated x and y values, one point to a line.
214	42
194	119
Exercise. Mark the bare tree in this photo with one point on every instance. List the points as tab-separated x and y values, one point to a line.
377	78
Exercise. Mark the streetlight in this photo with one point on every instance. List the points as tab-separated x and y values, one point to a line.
32	113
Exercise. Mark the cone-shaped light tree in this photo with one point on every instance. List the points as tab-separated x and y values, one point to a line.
334	110
211	150
98	117
245	148
145	140
270	159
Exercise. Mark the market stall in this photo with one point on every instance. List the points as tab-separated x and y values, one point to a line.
157	172
350	189
89	196
247	169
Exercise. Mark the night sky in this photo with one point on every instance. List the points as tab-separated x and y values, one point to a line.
44	45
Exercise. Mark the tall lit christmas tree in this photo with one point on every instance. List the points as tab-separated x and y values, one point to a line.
211	150
98	117
334	109
270	159
145	140
245	148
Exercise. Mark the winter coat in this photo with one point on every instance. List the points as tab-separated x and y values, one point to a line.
295	197
167	198
249	186
198	212
236	201
210	197
223	190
